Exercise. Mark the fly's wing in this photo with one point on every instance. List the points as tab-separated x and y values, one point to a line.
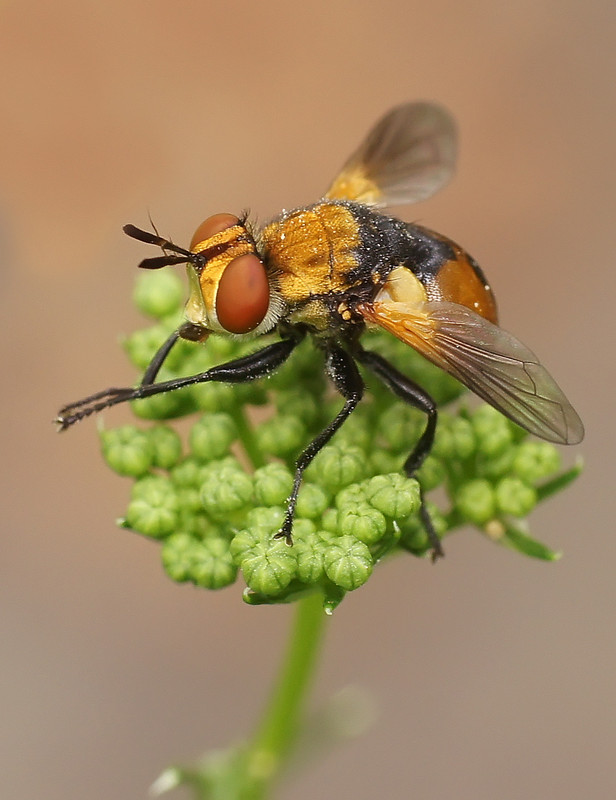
486	359
408	156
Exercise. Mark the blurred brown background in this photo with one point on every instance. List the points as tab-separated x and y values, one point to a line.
494	676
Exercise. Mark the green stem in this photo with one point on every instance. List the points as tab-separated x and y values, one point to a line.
277	732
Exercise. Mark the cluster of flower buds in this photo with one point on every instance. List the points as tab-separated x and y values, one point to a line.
216	496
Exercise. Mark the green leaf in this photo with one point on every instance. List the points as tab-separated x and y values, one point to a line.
521	542
560	482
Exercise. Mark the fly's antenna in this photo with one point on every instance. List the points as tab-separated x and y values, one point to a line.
160	261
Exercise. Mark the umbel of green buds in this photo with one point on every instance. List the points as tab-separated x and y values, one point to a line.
215	495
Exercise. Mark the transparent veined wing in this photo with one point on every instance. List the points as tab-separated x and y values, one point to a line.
488	360
408	156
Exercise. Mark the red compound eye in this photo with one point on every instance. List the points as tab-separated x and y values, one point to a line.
211	226
243	295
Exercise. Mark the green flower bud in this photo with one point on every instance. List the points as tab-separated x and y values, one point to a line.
246	540
309	552
495	466
273	484
443	446
393	495
194	523
297	404
152	486
337	465
492	430
189	500
177	556
188	473
211	437
141	346
268	519
363	522
154	508
464	442
166	445
535	461
329	521
158	294
312	501
515	497
226	491
268	566
476	502
207	564
454	438
302	528
401	426
212	468
352	495
281	436
348	563
357	431
127	450
213	566
213	397
328	537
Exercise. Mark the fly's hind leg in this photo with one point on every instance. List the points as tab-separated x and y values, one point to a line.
413	394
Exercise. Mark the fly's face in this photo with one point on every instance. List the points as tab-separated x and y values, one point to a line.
230	289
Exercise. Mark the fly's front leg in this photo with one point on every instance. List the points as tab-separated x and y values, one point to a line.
241	370
149	377
347	380
413	394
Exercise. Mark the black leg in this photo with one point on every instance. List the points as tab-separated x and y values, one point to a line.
413	394
157	362
241	370
346	378
148	377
